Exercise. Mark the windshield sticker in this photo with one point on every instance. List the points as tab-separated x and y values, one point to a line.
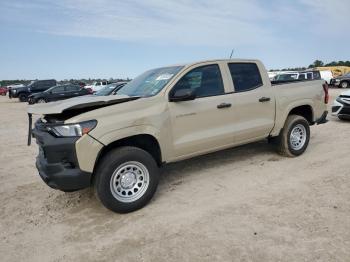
164	77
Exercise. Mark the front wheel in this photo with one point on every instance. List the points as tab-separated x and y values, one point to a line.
344	84
294	137
126	179
23	98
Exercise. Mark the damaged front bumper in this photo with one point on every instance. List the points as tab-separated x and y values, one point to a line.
57	161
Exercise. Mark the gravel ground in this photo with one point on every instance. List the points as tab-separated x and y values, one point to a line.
242	204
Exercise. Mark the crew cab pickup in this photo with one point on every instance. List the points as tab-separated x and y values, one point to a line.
118	143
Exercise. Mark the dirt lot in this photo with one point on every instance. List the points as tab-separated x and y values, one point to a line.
243	204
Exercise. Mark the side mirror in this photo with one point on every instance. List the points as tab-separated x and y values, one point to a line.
182	95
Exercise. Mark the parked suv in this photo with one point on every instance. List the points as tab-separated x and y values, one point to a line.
34	87
118	143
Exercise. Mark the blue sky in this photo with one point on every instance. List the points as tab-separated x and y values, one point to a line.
112	38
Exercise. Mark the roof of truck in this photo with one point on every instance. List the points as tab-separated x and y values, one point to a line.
215	61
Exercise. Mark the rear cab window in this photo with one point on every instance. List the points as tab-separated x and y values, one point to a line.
245	76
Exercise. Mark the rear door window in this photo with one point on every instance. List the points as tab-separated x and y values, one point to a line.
72	88
245	76
58	90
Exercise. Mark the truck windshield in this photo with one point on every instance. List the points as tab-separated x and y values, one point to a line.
150	83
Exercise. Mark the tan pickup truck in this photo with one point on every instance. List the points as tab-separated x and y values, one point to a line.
118	143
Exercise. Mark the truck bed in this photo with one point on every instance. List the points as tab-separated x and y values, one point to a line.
293	93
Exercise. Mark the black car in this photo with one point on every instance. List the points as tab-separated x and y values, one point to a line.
34	87
341	81
110	89
59	92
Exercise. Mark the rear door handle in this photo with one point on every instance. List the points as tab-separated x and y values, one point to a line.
264	99
224	105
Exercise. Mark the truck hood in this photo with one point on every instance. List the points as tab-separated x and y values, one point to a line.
79	104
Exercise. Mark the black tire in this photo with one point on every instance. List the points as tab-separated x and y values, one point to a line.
23	97
344	84
283	141
113	161
344	118
31	101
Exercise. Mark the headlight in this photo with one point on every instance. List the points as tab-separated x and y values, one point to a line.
73	130
13	91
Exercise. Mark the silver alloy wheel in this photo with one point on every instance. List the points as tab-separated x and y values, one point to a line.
129	181
41	100
344	84
298	137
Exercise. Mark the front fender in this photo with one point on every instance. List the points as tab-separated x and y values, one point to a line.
125	132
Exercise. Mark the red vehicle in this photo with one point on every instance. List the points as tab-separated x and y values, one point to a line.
3	90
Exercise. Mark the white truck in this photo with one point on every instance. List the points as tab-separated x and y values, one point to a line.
97	86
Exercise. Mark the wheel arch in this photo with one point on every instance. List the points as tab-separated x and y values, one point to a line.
305	111
147	142
303	108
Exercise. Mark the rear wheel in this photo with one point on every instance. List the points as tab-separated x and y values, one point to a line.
126	179
294	137
344	84
23	97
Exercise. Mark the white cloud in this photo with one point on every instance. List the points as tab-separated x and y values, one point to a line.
330	17
186	22
220	23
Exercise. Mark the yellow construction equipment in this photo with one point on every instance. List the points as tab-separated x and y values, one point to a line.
336	70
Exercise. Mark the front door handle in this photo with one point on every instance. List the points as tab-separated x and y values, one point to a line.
224	105
264	99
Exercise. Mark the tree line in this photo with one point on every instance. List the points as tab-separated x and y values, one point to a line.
316	63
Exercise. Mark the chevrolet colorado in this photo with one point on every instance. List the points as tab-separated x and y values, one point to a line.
118	143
